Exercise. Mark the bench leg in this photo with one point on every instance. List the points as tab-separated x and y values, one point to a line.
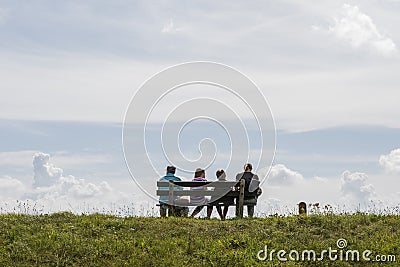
209	211
171	211
163	210
225	211
239	211
220	213
250	211
239	203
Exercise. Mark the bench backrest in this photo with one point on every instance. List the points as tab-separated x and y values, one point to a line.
182	188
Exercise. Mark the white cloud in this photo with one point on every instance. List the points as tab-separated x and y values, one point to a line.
315	27
54	191
359	30
72	189
80	189
280	175
391	162
77	83
47	175
10	188
16	158
282	45
350	192
309	190
170	27
354	188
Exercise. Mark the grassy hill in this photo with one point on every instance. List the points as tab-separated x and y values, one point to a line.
64	239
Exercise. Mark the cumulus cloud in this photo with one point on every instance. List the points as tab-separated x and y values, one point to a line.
391	162
56	185
10	188
359	30
280	175
80	189
45	174
355	188
53	191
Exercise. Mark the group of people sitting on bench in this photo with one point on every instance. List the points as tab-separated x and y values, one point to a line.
202	201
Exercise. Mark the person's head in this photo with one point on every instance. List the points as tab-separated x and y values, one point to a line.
221	176
200	173
248	167
171	169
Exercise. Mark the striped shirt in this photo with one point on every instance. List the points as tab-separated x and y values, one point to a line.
198	200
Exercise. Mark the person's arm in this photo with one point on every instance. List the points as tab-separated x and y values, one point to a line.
254	183
205	187
238	176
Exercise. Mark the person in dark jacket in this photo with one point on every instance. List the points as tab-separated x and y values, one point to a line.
248	176
221	176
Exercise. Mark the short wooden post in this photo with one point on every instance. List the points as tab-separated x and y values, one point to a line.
171	207
241	198
302	208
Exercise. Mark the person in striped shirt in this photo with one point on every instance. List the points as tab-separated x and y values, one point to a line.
200	201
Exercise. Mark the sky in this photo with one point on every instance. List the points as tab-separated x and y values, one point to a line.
329	71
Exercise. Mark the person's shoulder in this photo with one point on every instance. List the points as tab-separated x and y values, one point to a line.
177	178
255	177
239	175
170	177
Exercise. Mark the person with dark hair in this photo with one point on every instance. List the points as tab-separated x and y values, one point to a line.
248	177
164	205
221	176
200	201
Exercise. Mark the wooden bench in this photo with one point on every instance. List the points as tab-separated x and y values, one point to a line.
221	193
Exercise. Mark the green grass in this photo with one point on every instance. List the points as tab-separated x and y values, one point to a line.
64	239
